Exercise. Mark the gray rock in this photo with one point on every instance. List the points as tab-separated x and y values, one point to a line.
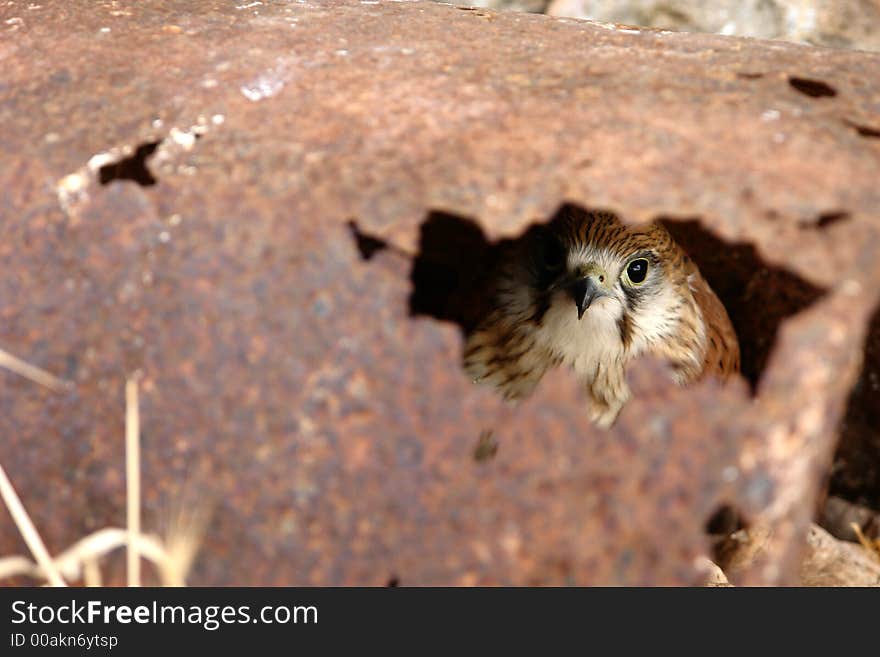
836	23
853	24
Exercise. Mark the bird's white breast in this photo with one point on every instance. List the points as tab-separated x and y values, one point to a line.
583	344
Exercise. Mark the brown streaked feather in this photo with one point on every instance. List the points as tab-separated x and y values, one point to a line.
722	345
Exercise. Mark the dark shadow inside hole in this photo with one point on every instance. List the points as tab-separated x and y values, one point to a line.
393	582
856	472
720	527
451	279
812	88
757	296
132	168
724	521
449	274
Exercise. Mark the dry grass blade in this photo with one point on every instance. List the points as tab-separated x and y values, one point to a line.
74	561
871	546
33	373
183	537
81	559
92	573
172	558
28	531
133	480
18	565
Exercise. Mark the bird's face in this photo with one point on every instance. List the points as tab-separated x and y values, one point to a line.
597	274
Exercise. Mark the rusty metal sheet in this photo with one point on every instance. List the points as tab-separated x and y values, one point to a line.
177	191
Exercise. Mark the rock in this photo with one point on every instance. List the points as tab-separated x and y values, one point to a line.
832	562
835	23
838	517
716	576
826	561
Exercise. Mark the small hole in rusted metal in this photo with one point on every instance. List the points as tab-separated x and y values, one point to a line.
830	218
393	582
132	168
812	88
723	527
864	130
723	521
367	245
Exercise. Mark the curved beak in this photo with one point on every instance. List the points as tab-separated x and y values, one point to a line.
584	291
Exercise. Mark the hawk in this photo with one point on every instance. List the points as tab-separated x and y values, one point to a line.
589	293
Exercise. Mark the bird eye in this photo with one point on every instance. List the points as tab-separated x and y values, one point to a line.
637	270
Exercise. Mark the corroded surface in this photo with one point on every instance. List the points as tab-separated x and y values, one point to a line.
282	375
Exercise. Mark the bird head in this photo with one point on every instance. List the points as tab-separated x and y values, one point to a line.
592	267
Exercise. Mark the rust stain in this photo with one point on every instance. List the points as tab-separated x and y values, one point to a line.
282	373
